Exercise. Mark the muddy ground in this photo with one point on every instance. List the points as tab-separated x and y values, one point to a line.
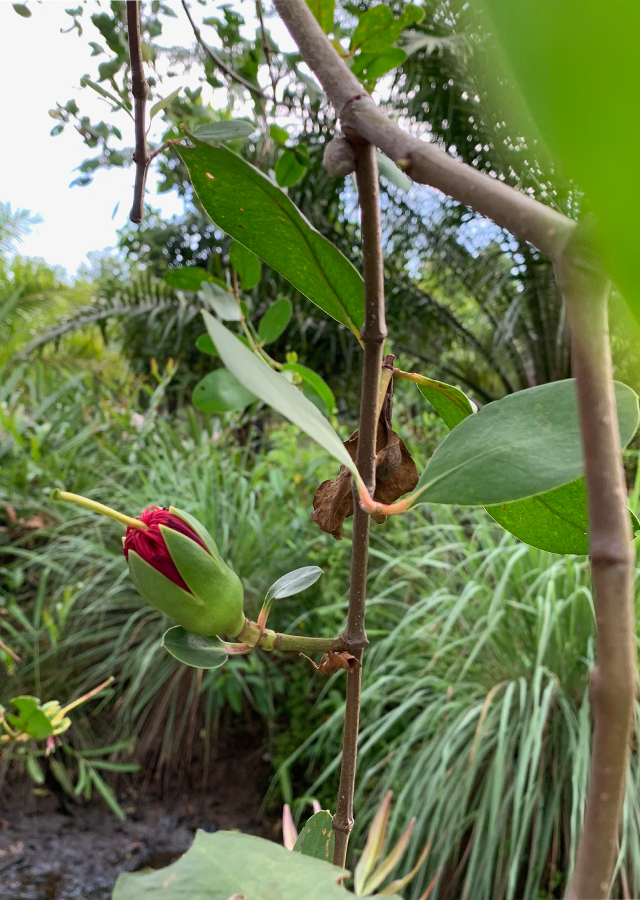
46	854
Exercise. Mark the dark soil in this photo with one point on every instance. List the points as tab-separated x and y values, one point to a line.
48	855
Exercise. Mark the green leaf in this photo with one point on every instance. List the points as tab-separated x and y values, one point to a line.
35	770
220	392
60	774
451	404
31	720
205	345
371	66
224	304
111	748
294	582
246	264
228	130
194	649
525	444
162	104
377	29
107	795
315	382
392	173
274	321
317	838
556	521
324	11
253	210
278	134
578	67
275	391
22	9
85	81
115	767
187	278
289	169
222	865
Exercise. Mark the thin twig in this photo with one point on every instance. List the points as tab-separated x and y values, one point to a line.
219	62
140	91
374	332
613	680
425	163
267	49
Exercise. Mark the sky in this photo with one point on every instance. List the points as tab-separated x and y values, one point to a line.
40	66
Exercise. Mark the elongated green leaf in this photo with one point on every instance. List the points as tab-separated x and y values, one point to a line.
323	10
527	443
187	278
194	649
85	81
224	304
35	770
108	766
294	582
275	391
253	210
451	404
22	9
221	392
225	131
317	838
60	774
107	795
274	321
315	382
389	170
224	865
162	104
578	66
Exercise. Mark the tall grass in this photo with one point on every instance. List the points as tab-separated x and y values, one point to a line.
475	711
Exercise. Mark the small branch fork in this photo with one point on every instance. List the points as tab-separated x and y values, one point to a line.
585	289
140	91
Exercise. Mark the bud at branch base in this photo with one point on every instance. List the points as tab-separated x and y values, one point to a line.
176	566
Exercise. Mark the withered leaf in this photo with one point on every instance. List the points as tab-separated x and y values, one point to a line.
396	473
334	660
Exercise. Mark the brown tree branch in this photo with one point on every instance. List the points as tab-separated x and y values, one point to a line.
530	220
140	91
613	680
374	332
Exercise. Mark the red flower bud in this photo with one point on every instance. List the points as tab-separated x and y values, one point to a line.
150	545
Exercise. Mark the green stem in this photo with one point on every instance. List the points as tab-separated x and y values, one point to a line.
288	643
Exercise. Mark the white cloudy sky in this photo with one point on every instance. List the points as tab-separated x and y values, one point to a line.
39	66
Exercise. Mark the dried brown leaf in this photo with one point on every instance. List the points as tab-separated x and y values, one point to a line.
396	474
